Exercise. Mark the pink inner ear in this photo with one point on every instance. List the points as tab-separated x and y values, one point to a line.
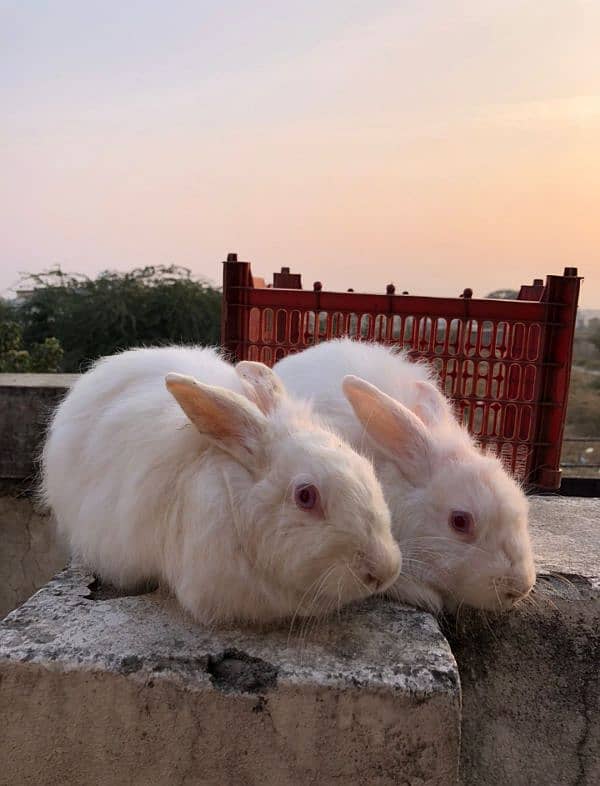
203	410
260	394
221	415
392	426
423	414
432	406
260	385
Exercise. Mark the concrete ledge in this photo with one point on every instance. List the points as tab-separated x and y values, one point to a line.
531	679
126	690
100	689
26	402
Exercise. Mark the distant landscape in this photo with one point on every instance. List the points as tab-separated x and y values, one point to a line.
583	414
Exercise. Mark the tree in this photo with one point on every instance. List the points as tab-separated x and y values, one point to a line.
7	311
115	311
43	357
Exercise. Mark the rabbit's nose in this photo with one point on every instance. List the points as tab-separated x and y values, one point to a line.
373	582
379	574
513	595
516	591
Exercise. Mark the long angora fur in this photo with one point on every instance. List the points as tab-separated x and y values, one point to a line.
195	483
431	471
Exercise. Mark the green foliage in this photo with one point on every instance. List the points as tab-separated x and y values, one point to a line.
46	356
14	358
10	336
7	311
96	317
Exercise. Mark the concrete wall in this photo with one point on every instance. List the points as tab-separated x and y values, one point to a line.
531	679
26	403
29	553
97	688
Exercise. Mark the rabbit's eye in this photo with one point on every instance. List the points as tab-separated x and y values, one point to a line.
306	497
462	522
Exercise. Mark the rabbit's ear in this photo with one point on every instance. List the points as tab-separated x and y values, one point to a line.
432	407
261	384
229	420
395	429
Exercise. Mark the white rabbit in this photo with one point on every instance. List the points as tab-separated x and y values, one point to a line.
461	520
218	484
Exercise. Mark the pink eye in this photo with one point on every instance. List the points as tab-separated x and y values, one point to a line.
462	521
306	497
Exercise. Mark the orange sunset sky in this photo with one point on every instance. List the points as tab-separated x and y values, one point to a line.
434	144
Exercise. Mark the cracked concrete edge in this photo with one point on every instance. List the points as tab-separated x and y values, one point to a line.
372	696
375	645
111	729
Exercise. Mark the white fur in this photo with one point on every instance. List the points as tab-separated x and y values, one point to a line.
142	494
428	466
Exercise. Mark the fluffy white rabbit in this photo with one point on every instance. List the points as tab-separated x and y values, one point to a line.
461	520
216	483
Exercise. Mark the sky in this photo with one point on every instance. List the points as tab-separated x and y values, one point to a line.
436	145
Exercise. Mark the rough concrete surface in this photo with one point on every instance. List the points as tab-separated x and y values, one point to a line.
566	536
30	553
97	688
531	679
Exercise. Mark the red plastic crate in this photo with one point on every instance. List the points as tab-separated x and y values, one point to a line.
506	364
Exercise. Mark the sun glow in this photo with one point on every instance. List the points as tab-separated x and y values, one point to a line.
359	143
